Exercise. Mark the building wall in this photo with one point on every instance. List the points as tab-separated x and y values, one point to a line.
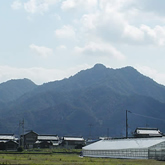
73	144
157	151
30	139
124	153
11	145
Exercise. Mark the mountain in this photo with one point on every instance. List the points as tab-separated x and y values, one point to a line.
89	103
13	89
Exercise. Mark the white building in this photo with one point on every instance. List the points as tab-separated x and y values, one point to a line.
72	142
133	148
147	132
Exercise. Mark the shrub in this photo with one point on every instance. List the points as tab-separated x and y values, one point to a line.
20	149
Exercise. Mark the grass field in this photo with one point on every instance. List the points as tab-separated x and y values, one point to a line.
68	159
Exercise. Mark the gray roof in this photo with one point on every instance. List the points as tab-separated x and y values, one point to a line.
116	144
7	137
48	137
73	138
150	132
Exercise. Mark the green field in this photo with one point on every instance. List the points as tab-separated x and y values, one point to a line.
68	159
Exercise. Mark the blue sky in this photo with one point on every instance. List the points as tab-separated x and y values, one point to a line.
48	40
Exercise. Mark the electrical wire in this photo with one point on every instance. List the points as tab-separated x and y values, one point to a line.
147	116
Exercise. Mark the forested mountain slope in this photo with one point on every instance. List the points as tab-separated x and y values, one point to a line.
89	103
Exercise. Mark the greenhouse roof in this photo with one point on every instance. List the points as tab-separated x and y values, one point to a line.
132	143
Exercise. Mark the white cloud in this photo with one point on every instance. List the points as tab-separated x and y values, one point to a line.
66	31
16	5
62	47
34	6
153	6
117	5
100	49
115	24
89	21
57	17
41	50
79	5
133	33
156	35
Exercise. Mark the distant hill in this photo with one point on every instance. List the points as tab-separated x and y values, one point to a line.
89	103
13	89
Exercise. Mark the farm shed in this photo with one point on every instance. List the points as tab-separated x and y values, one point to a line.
147	132
132	148
47	141
72	142
8	142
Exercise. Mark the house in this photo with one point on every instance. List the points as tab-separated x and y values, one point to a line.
8	142
72	142
11	145
28	139
47	141
147	132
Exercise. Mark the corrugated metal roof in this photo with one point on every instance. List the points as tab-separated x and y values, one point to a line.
6	137
150	132
116	144
74	138
43	137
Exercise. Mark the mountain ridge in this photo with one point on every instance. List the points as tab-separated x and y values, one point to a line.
13	89
97	96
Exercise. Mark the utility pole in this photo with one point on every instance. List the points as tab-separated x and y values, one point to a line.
127	123
90	131
107	132
21	131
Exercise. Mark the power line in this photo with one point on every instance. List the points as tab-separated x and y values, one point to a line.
148	116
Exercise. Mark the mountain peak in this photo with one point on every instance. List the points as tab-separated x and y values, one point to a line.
14	88
99	66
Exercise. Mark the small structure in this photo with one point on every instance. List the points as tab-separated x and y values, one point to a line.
11	145
47	141
72	142
147	132
8	142
133	148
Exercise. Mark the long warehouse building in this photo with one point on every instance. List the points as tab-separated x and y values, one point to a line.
131	148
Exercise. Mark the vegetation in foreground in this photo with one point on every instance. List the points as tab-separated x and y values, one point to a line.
55	157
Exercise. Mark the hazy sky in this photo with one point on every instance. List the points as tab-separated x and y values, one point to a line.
46	40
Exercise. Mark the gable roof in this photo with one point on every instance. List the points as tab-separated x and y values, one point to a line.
31	132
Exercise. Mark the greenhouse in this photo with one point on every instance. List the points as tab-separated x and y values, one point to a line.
132	148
